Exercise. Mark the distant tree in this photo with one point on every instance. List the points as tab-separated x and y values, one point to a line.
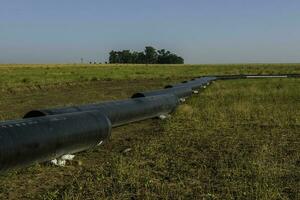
135	57
113	57
163	56
126	56
149	56
141	59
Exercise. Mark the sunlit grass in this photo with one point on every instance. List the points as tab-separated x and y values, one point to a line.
237	139
17	75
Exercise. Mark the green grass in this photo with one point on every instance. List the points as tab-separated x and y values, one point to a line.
18	75
235	140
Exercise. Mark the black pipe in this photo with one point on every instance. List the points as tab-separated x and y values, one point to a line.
193	84
231	77
244	76
121	112
26	141
293	75
47	134
180	92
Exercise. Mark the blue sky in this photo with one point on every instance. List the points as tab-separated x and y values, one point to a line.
202	31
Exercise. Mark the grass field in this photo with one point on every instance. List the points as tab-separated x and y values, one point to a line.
20	75
237	139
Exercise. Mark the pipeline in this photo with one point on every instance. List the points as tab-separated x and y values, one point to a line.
41	139
181	92
121	112
245	76
194	84
46	134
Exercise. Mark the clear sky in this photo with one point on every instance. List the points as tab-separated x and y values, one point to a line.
202	31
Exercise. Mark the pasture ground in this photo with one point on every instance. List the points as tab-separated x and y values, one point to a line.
237	139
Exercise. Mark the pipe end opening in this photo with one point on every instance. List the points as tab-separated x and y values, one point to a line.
137	95
168	86
34	113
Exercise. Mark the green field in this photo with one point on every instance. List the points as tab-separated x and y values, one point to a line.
237	139
18	75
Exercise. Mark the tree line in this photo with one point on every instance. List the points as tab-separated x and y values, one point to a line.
149	56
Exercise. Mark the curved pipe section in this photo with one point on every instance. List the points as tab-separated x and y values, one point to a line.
23	142
51	133
121	112
180	92
244	76
194	84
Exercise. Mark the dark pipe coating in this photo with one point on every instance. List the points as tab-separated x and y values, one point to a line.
194	84
180	92
121	112
51	133
26	141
